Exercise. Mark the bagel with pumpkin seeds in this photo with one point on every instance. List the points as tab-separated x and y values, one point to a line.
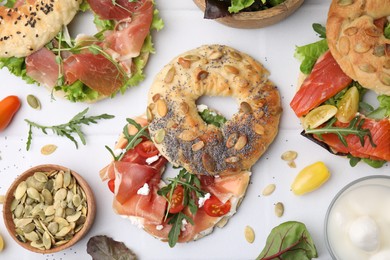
355	34
27	28
185	139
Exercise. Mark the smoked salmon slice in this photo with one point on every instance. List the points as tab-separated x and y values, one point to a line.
380	132
326	80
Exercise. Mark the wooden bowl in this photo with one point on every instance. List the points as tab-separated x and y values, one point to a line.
259	19
9	197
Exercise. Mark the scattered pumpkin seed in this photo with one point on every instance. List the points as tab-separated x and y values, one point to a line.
269	189
2	199
279	209
48	149
249	234
33	102
1	243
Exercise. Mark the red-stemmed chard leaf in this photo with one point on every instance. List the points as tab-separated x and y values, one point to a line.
105	248
289	241
216	9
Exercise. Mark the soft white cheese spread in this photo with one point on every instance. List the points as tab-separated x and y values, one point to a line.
144	190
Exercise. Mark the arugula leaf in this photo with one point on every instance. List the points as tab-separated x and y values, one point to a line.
354	128
67	129
320	29
132	140
353	161
192	191
176	222
309	54
289	240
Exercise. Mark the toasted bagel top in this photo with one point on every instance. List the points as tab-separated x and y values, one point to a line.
27	28
355	36
185	139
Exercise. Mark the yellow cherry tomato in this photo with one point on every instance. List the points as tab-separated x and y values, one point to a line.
348	105
1	243
310	178
318	116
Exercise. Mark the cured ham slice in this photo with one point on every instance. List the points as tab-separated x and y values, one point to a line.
115	10
95	71
232	187
151	207
380	135
326	80
128	38
42	67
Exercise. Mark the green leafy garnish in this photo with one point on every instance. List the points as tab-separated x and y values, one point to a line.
309	54
320	29
386	31
132	140
192	191
354	128
210	117
353	161
68	129
382	111
289	240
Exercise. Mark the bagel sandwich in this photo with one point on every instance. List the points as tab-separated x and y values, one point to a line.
336	72
86	68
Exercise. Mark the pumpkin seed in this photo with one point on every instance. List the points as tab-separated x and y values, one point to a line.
279	209
40	176
249	234
28	228
33	102
63	231
67	179
269	189
48	149
289	156
74	218
159	136
37	245
20	190
46	239
53	227
19	223
32	236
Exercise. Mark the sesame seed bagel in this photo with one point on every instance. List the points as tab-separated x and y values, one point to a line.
355	36
185	139
27	28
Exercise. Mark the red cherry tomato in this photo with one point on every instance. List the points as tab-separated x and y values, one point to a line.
111	185
177	200
8	107
215	208
146	149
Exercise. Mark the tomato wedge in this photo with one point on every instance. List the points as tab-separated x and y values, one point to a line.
216	208
111	185
177	200
146	149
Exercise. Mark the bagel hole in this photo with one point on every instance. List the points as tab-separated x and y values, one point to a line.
226	106
82	24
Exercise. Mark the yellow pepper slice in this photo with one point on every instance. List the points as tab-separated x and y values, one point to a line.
310	178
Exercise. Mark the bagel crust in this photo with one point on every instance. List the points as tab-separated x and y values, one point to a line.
357	42
26	29
185	139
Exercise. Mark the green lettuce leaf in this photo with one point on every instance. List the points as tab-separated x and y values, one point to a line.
289	241
238	5
308	54
16	66
213	118
387	31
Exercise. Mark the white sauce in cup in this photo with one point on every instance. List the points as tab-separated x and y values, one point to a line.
357	224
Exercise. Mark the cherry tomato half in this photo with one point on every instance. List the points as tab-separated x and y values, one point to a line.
215	208
111	185
146	149
177	200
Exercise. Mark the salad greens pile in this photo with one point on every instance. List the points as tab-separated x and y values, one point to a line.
78	91
221	8
308	55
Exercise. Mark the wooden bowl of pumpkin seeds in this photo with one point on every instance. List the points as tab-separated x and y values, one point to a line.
48	208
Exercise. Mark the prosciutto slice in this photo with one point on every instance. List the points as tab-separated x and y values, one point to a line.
129	35
42	67
115	10
95	71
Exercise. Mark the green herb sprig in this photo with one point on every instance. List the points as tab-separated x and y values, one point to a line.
354	128
68	129
132	140
192	191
